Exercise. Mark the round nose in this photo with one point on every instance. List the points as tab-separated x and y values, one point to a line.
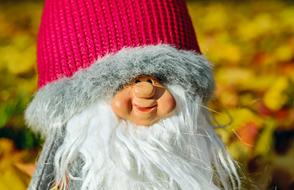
143	90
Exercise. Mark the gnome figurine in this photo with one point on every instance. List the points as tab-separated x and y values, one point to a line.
122	88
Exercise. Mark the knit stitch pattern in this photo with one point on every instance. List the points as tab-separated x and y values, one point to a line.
75	33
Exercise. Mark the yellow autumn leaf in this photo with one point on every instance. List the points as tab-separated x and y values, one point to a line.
236	117
261	82
287	18
21	61
11	179
262	24
226	52
265	141
223	134
247	99
284	53
228	98
275	97
246	30
238	151
216	17
234	76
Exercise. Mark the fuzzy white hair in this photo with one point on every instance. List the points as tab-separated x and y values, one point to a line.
181	152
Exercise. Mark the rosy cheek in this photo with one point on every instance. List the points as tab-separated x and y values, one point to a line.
121	105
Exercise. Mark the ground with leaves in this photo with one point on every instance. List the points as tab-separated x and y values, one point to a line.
251	46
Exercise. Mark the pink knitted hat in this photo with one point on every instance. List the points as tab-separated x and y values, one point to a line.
74	33
88	49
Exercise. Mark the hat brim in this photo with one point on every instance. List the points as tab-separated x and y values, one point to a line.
57	102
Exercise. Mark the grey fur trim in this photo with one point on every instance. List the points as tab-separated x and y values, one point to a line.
57	102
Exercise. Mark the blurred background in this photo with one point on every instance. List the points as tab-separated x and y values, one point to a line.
251	45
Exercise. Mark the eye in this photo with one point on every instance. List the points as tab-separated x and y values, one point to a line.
137	81
150	81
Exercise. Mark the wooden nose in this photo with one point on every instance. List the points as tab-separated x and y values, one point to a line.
143	90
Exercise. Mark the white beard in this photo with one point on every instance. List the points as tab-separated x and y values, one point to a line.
181	152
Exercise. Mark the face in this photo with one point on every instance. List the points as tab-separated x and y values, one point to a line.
143	102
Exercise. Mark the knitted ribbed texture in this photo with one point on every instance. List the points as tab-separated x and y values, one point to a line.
74	33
